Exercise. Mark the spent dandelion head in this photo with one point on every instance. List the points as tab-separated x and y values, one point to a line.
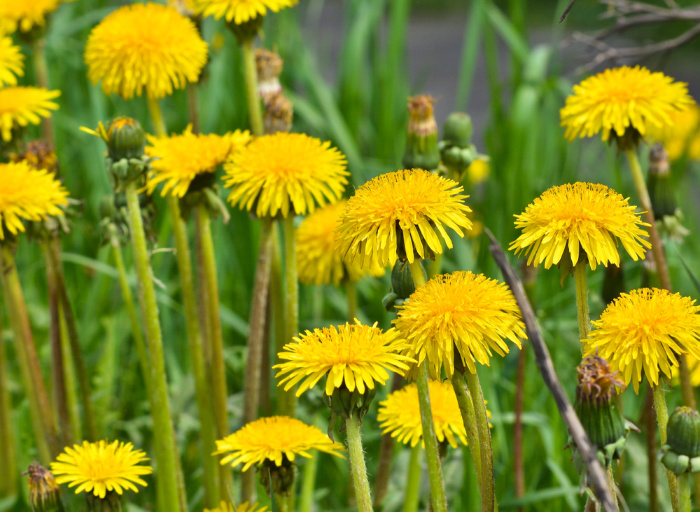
399	415
246	506
11	62
623	102
401	215
278	439
101	467
28	194
240	11
44	493
355	356
22	106
183	161
25	15
460	315
570	219
39	154
145	47
644	331
285	174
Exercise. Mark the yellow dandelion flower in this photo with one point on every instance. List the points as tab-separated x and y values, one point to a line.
399	414
101	467
25	14
11	62
693	369
20	106
147	47
285	172
463	314
644	331
400	214
478	171
187	157
240	11
582	216
620	99
318	262
274	439
243	507
27	193
353	355
682	136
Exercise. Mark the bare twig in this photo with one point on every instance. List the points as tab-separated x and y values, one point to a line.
596	473
566	11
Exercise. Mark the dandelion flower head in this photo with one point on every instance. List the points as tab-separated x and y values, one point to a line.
682	136
274	439
643	331
25	14
622	99
21	106
11	62
399	415
145	47
460	313
243	507
352	355
402	214
240	11
584	217
183	158
285	173
27	194
101	467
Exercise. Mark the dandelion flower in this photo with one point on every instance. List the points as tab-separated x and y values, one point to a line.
11	62
353	355
101	467
27	193
399	414
147	47
274	439
243	507
478	171
20	106
621	99
187	157
240	11
400	214
285	173
682	136
645	330
460	313
25	14
582	216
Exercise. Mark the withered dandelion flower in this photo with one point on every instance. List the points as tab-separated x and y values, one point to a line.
101	467
584	217
274	439
240	11
21	106
29	194
621	99
644	331
285	173
181	159
463	315
145	47
402	214
352	355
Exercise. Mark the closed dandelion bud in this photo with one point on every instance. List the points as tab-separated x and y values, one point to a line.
402	285
458	130
125	139
278	115
681	453
269	67
44	494
421	134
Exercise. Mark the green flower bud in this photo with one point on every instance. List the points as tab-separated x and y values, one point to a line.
458	130
421	135
125	139
681	453
402	280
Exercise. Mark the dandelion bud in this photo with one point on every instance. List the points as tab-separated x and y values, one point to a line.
39	154
458	130
269	67
681	453
44	494
421	134
402	285
125	139
278	115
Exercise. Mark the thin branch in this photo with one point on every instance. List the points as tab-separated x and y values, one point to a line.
596	473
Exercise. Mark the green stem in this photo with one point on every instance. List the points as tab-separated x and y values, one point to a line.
285	502
351	289
251	88
8	468
39	404
488	498
357	465
584	320
684	483
652	480
284	398
386	454
165	452
74	340
256	338
308	483
193	106
412	498
435	266
466	407
662	421
41	70
291	301
156	116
